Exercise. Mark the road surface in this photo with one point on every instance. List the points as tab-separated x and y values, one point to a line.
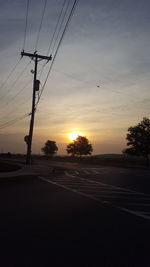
76	216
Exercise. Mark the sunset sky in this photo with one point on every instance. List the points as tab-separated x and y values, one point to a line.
100	81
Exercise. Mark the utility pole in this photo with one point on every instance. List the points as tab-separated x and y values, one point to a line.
36	58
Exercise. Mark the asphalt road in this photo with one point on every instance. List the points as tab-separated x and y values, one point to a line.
76	217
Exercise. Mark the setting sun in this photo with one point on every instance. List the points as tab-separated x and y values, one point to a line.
73	136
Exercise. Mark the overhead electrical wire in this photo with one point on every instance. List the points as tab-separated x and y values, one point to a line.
71	13
9	114
55	30
40	27
6	124
50	46
18	93
60	27
10	123
26	24
14	97
99	85
55	48
16	108
58	46
21	90
14	83
24	40
9	75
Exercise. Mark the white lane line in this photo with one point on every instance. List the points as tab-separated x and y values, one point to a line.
134	213
108	185
74	183
67	188
107	191
70	175
99	201
94	171
93	186
82	186
114	194
121	197
135	204
102	190
76	172
85	171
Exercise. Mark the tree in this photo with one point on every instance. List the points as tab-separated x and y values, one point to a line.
139	140
50	148
79	147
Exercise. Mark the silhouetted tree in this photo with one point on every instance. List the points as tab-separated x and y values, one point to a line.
50	148
139	140
79	147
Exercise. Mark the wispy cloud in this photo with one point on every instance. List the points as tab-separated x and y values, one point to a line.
106	45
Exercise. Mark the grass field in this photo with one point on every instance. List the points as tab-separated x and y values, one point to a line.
112	160
8	167
124	162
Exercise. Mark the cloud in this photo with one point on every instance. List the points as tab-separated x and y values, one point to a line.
107	43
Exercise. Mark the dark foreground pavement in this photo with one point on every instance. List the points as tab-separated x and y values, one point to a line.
44	225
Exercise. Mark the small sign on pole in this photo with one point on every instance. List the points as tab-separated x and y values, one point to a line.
26	139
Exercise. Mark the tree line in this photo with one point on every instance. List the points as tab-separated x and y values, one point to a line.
138	142
79	147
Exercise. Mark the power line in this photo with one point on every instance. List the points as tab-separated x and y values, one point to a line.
98	85
7	115
63	5
18	93
26	24
60	41
22	103
55	30
15	66
14	97
39	31
62	21
9	75
21	90
14	83
9	123
58	46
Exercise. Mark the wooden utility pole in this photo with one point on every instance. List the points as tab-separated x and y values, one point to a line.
36	58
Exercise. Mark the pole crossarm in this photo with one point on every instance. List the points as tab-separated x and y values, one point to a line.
35	55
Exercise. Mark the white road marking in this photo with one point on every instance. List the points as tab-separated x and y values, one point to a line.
135	204
99	200
65	187
138	214
125	193
85	171
108	185
94	171
121	197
